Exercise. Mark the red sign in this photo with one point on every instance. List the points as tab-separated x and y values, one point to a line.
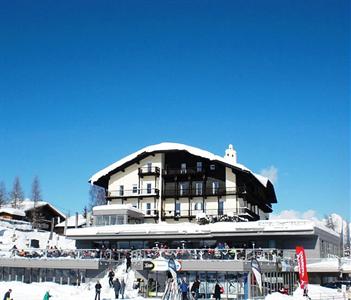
301	262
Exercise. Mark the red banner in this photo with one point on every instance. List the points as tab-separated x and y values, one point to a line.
301	262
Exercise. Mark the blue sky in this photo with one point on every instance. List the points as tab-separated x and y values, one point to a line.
84	83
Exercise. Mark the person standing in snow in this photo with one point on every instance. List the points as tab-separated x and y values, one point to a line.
123	286
116	287
97	290
184	290
47	296
195	289
217	292
7	295
111	275
128	262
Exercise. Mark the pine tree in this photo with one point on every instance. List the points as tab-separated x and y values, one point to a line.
85	212
16	195
3	194
329	222
36	197
97	196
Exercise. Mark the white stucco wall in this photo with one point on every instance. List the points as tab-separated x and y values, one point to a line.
130	175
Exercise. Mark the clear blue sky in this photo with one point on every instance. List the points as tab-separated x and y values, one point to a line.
84	83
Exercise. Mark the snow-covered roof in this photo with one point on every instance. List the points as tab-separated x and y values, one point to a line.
117	207
266	226
174	146
29	204
12	211
71	221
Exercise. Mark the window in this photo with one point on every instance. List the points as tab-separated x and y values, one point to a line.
183	188
199	166
148	188
215	187
183	168
121	190
198	188
220	207
212	167
135	188
198	206
148	209
149	167
177	209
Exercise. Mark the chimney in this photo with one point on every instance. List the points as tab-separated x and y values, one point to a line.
230	155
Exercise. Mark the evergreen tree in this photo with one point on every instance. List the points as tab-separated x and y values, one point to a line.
35	197
329	222
16	195
85	212
348	240
3	194
97	196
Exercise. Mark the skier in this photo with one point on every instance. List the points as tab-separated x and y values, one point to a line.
184	289
97	290
123	286
47	296
111	275
7	295
116	287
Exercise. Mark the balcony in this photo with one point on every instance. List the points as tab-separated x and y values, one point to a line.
240	214
202	192
185	171
134	193
149	171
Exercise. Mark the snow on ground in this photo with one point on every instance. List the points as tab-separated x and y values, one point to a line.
10	236
314	291
36	291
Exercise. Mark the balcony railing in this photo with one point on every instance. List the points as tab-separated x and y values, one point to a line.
199	192
185	171
243	254
148	192
149	170
241	212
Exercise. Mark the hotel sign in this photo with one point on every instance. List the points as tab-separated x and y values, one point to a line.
148	265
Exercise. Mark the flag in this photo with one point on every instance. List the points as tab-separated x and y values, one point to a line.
256	270
301	262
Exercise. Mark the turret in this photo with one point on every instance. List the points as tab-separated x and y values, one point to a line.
230	154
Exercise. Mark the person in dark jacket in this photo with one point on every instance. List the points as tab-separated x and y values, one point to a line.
116	287
184	290
128	262
111	275
97	290
195	289
7	295
217	292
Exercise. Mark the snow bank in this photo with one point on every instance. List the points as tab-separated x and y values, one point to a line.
12	236
314	291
